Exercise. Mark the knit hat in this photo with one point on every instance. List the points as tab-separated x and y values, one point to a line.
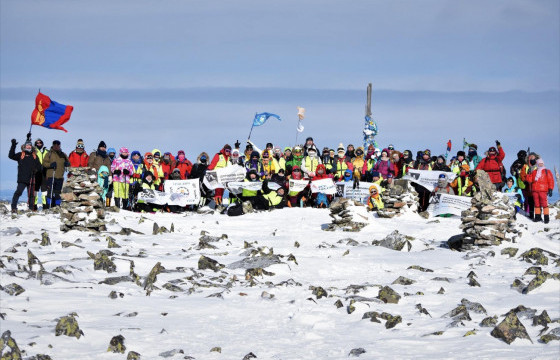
269	145
375	174
111	150
80	142
492	149
460	153
38	139
28	142
340	147
56	142
227	147
473	146
123	150
309	138
287	148
102	144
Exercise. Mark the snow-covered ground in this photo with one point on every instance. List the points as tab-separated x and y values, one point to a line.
274	315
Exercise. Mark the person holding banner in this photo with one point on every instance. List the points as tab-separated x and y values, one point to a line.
321	200
220	160
297	188
407	163
462	184
147	184
254	197
276	198
374	201
512	188
423	163
341	163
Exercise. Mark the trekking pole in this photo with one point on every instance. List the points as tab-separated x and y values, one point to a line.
52	190
31	191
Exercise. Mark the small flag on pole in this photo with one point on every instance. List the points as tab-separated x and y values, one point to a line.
300	113
50	114
263	117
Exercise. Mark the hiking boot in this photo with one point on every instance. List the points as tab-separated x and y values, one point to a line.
537	218
546	219
14	211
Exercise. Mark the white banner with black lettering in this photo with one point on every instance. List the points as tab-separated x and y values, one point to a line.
189	191
448	204
347	190
427	178
237	187
297	185
325	186
189	195
512	197
219	178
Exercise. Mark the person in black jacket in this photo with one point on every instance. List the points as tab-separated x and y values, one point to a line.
28	166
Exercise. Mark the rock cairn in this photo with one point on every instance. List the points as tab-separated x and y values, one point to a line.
490	220
82	207
348	215
399	198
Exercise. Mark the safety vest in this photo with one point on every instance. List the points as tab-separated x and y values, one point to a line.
459	165
341	168
311	163
222	163
248	193
461	189
375	203
273	198
41	154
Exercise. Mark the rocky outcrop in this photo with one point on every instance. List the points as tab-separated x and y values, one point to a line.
399	198
395	241
8	347
82	207
347	215
68	325
510	329
489	221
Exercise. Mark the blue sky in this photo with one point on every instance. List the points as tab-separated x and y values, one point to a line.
191	74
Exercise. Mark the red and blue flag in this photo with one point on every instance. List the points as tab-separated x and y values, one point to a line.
50	114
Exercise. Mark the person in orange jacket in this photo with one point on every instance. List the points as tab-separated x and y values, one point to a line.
542	183
492	164
79	157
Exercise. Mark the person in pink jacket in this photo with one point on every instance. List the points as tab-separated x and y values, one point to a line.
122	169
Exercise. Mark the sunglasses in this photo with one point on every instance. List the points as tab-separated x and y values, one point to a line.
374	192
227	151
149	157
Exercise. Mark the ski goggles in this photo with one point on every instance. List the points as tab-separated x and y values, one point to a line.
149	157
80	146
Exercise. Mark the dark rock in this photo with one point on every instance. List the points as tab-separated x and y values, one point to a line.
420	268
392	321
8	347
45	240
473	306
249	356
441	291
133	355
536	256
401	280
422	310
208	263
511	251
116	345
171	353
489	321
395	241
318	291
13	289
536	282
388	295
552	335
68	325
338	304
523	312
112	243
459	313
113	294
510	329
533	270
116	280
473	282
152	277
32	259
543	319
217	349
171	287
356	352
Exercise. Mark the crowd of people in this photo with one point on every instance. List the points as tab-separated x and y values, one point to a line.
123	174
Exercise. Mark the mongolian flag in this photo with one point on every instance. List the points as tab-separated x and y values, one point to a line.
49	113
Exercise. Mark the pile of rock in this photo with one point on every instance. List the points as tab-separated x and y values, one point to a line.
490	220
82	207
348	215
398	198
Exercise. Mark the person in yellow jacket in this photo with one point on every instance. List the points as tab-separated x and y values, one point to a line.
462	185
359	164
268	164
40	177
374	201
278	159
159	176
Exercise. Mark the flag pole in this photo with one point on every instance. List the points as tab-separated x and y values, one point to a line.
251	131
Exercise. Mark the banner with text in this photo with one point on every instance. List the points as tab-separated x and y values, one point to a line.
219	178
297	185
188	189
427	178
347	190
325	186
448	204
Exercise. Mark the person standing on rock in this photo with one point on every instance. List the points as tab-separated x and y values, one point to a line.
55	162
40	177
542	184
28	168
492	164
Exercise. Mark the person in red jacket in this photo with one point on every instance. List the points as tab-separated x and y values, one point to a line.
542	183
78	157
220	160
167	164
492	164
183	164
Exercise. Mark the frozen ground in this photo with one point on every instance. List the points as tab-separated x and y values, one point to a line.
274	315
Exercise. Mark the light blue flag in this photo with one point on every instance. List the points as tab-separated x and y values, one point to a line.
263	117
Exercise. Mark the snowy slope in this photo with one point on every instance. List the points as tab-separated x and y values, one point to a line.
274	316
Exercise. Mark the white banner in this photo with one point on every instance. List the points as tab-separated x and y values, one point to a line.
219	178
427	178
512	197
360	193
448	204
325	186
297	185
189	196
237	187
188	189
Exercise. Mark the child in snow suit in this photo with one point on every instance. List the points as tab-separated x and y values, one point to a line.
511	187
103	179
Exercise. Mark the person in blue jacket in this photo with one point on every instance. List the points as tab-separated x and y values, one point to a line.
511	187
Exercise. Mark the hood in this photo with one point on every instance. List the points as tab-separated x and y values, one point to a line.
321	166
136	152
376	187
111	150
253	154
154	151
203	154
393	152
252	171
102	168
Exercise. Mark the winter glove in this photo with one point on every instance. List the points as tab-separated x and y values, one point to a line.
66	163
549	192
126	172
117	172
237	144
29	136
53	165
498	143
14	142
